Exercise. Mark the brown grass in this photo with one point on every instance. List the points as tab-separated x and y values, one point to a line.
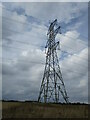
0	109
41	110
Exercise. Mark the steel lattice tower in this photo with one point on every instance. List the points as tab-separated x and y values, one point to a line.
52	84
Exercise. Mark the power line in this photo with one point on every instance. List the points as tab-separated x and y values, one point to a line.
80	34
24	49
23	61
54	69
25	22
81	41
27	43
29	62
20	22
74	55
75	39
37	27
29	36
21	42
40	46
10	30
22	33
28	23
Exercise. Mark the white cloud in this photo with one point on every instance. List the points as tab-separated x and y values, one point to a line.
45	0
50	11
70	42
83	83
0	57
28	74
75	74
25	74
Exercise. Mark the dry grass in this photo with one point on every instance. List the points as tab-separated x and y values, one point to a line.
0	109
40	110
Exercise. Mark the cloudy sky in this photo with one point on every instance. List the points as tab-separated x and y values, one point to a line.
44	0
24	29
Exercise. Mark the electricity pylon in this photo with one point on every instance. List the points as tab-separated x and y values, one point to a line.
52	84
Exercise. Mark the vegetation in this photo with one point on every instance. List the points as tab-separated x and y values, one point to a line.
28	109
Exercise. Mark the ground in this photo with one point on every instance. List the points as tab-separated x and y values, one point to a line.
43	110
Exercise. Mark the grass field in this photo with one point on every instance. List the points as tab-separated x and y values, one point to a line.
41	110
0	109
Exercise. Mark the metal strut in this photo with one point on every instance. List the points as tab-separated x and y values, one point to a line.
52	85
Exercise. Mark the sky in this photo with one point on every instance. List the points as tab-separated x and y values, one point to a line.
44	0
24	34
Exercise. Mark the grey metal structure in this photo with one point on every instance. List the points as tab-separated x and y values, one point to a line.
52	85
